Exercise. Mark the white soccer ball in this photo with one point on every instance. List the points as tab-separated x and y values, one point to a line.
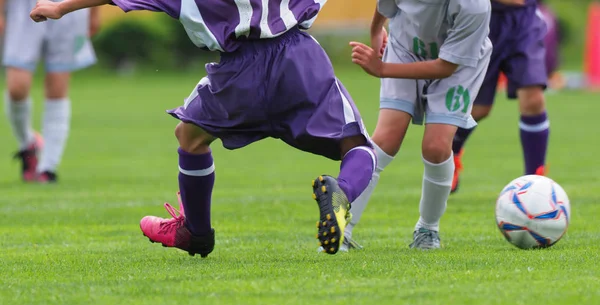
533	212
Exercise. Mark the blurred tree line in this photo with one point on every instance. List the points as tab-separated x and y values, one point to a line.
158	41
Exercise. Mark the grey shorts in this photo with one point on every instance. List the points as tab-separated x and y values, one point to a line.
62	44
440	101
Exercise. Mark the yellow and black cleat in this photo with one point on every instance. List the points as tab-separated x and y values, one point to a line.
334	210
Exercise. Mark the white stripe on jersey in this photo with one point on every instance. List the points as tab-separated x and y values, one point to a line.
287	15
245	10
195	27
265	31
308	23
348	112
203	82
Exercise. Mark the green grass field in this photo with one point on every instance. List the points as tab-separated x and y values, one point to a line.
78	242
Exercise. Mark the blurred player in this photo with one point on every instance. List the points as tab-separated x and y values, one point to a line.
433	66
64	47
273	80
517	31
552	38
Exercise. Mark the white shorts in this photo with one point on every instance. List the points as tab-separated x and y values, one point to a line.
63	44
440	101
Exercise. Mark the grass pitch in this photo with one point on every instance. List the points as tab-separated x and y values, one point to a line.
78	242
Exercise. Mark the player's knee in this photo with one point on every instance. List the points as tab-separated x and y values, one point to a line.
57	85
436	149
480	113
531	100
17	90
18	93
351	142
388	140
18	83
390	130
192	138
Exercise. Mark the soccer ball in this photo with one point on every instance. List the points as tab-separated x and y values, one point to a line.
533	212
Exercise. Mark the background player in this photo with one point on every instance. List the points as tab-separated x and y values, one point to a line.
65	47
517	31
434	63
274	81
552	42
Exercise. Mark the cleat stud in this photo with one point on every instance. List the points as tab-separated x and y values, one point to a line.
324	223
203	255
324	233
323	189
321	178
318	223
164	245
317	235
320	243
332	229
326	242
333	240
314	196
313	183
331	250
191	254
328	216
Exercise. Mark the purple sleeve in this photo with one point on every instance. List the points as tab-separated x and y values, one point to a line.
167	6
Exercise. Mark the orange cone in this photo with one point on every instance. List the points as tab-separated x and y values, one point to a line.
592	50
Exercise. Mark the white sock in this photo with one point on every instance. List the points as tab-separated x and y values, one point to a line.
55	129
358	206
19	117
437	181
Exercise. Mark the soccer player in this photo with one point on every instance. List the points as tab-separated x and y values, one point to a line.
432	68
517	31
273	80
65	47
552	38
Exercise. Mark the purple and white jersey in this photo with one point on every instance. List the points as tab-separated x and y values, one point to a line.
221	25
499	7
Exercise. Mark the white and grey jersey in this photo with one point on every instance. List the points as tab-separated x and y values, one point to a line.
453	30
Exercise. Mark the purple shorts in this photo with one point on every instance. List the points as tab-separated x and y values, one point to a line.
519	51
282	88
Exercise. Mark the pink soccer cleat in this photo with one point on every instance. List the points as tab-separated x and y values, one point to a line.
172	232
542	171
29	159
47	177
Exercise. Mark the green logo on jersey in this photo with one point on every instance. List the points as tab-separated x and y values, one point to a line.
456	97
422	49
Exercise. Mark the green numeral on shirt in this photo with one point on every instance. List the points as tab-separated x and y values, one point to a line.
425	50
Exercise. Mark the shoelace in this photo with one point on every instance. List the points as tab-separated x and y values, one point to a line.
178	218
425	233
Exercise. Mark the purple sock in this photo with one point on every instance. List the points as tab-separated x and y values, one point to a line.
196	181
356	170
534	139
460	138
